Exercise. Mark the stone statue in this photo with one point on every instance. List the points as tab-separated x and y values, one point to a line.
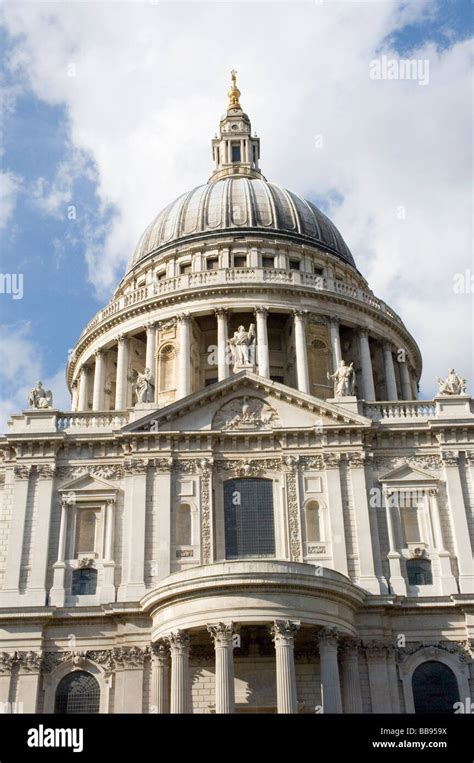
344	380
242	347
40	397
144	387
452	385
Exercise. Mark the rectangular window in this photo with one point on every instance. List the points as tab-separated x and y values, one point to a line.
294	264
248	518
235	152
212	263
85	531
240	261
411	527
268	262
184	269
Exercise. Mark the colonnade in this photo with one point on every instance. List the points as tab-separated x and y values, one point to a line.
174	649
94	375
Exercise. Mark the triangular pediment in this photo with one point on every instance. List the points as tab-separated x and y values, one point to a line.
247	402
408	474
86	483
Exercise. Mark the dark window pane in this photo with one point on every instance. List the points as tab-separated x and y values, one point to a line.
419	572
78	692
236	153
294	264
240	261
248	517
84	582
435	689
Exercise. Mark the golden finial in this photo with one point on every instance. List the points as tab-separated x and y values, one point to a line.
234	92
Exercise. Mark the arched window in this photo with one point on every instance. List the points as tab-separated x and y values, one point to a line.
248	518
84	582
435	689
419	572
166	367
78	692
313	522
183	524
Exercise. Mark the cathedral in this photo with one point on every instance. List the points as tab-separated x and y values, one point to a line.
247	508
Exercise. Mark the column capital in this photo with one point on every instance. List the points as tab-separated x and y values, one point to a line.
8	661
159	653
46	471
22	471
179	642
300	314
122	337
450	458
262	310
135	466
356	460
334	319
29	662
283	632
433	492
388	346
150	325
328	637
84	370
376	650
349	646
221	633
183	317
332	460
221	312
363	332
98	352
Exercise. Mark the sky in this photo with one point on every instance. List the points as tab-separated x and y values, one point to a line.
108	110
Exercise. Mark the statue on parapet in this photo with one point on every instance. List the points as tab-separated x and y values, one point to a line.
242	347
452	385
344	380
40	397
144	387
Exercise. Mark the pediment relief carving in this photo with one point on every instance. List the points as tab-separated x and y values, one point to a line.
245	413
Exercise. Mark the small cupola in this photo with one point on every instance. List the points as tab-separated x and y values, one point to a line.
234	150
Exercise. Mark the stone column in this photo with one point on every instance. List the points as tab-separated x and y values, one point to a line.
415	387
28	681
368	578
107	589
378	677
335	341
390	382
7	663
132	586
368	388
150	347
57	593
332	463
179	647
122	370
39	560
222	635
263	358
109	530
407	393
159	679
283	637
99	382
11	580
83	389
397	581
302	372
351	691
327	640
459	523
184	358
222	346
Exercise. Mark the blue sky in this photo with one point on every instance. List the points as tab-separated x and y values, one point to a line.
91	142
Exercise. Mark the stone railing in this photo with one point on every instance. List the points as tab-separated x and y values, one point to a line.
235	276
400	411
91	420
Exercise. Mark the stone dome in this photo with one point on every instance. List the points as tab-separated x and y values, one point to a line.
243	204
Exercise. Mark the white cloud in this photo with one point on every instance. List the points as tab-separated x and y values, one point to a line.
21	366
10	184
149	88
